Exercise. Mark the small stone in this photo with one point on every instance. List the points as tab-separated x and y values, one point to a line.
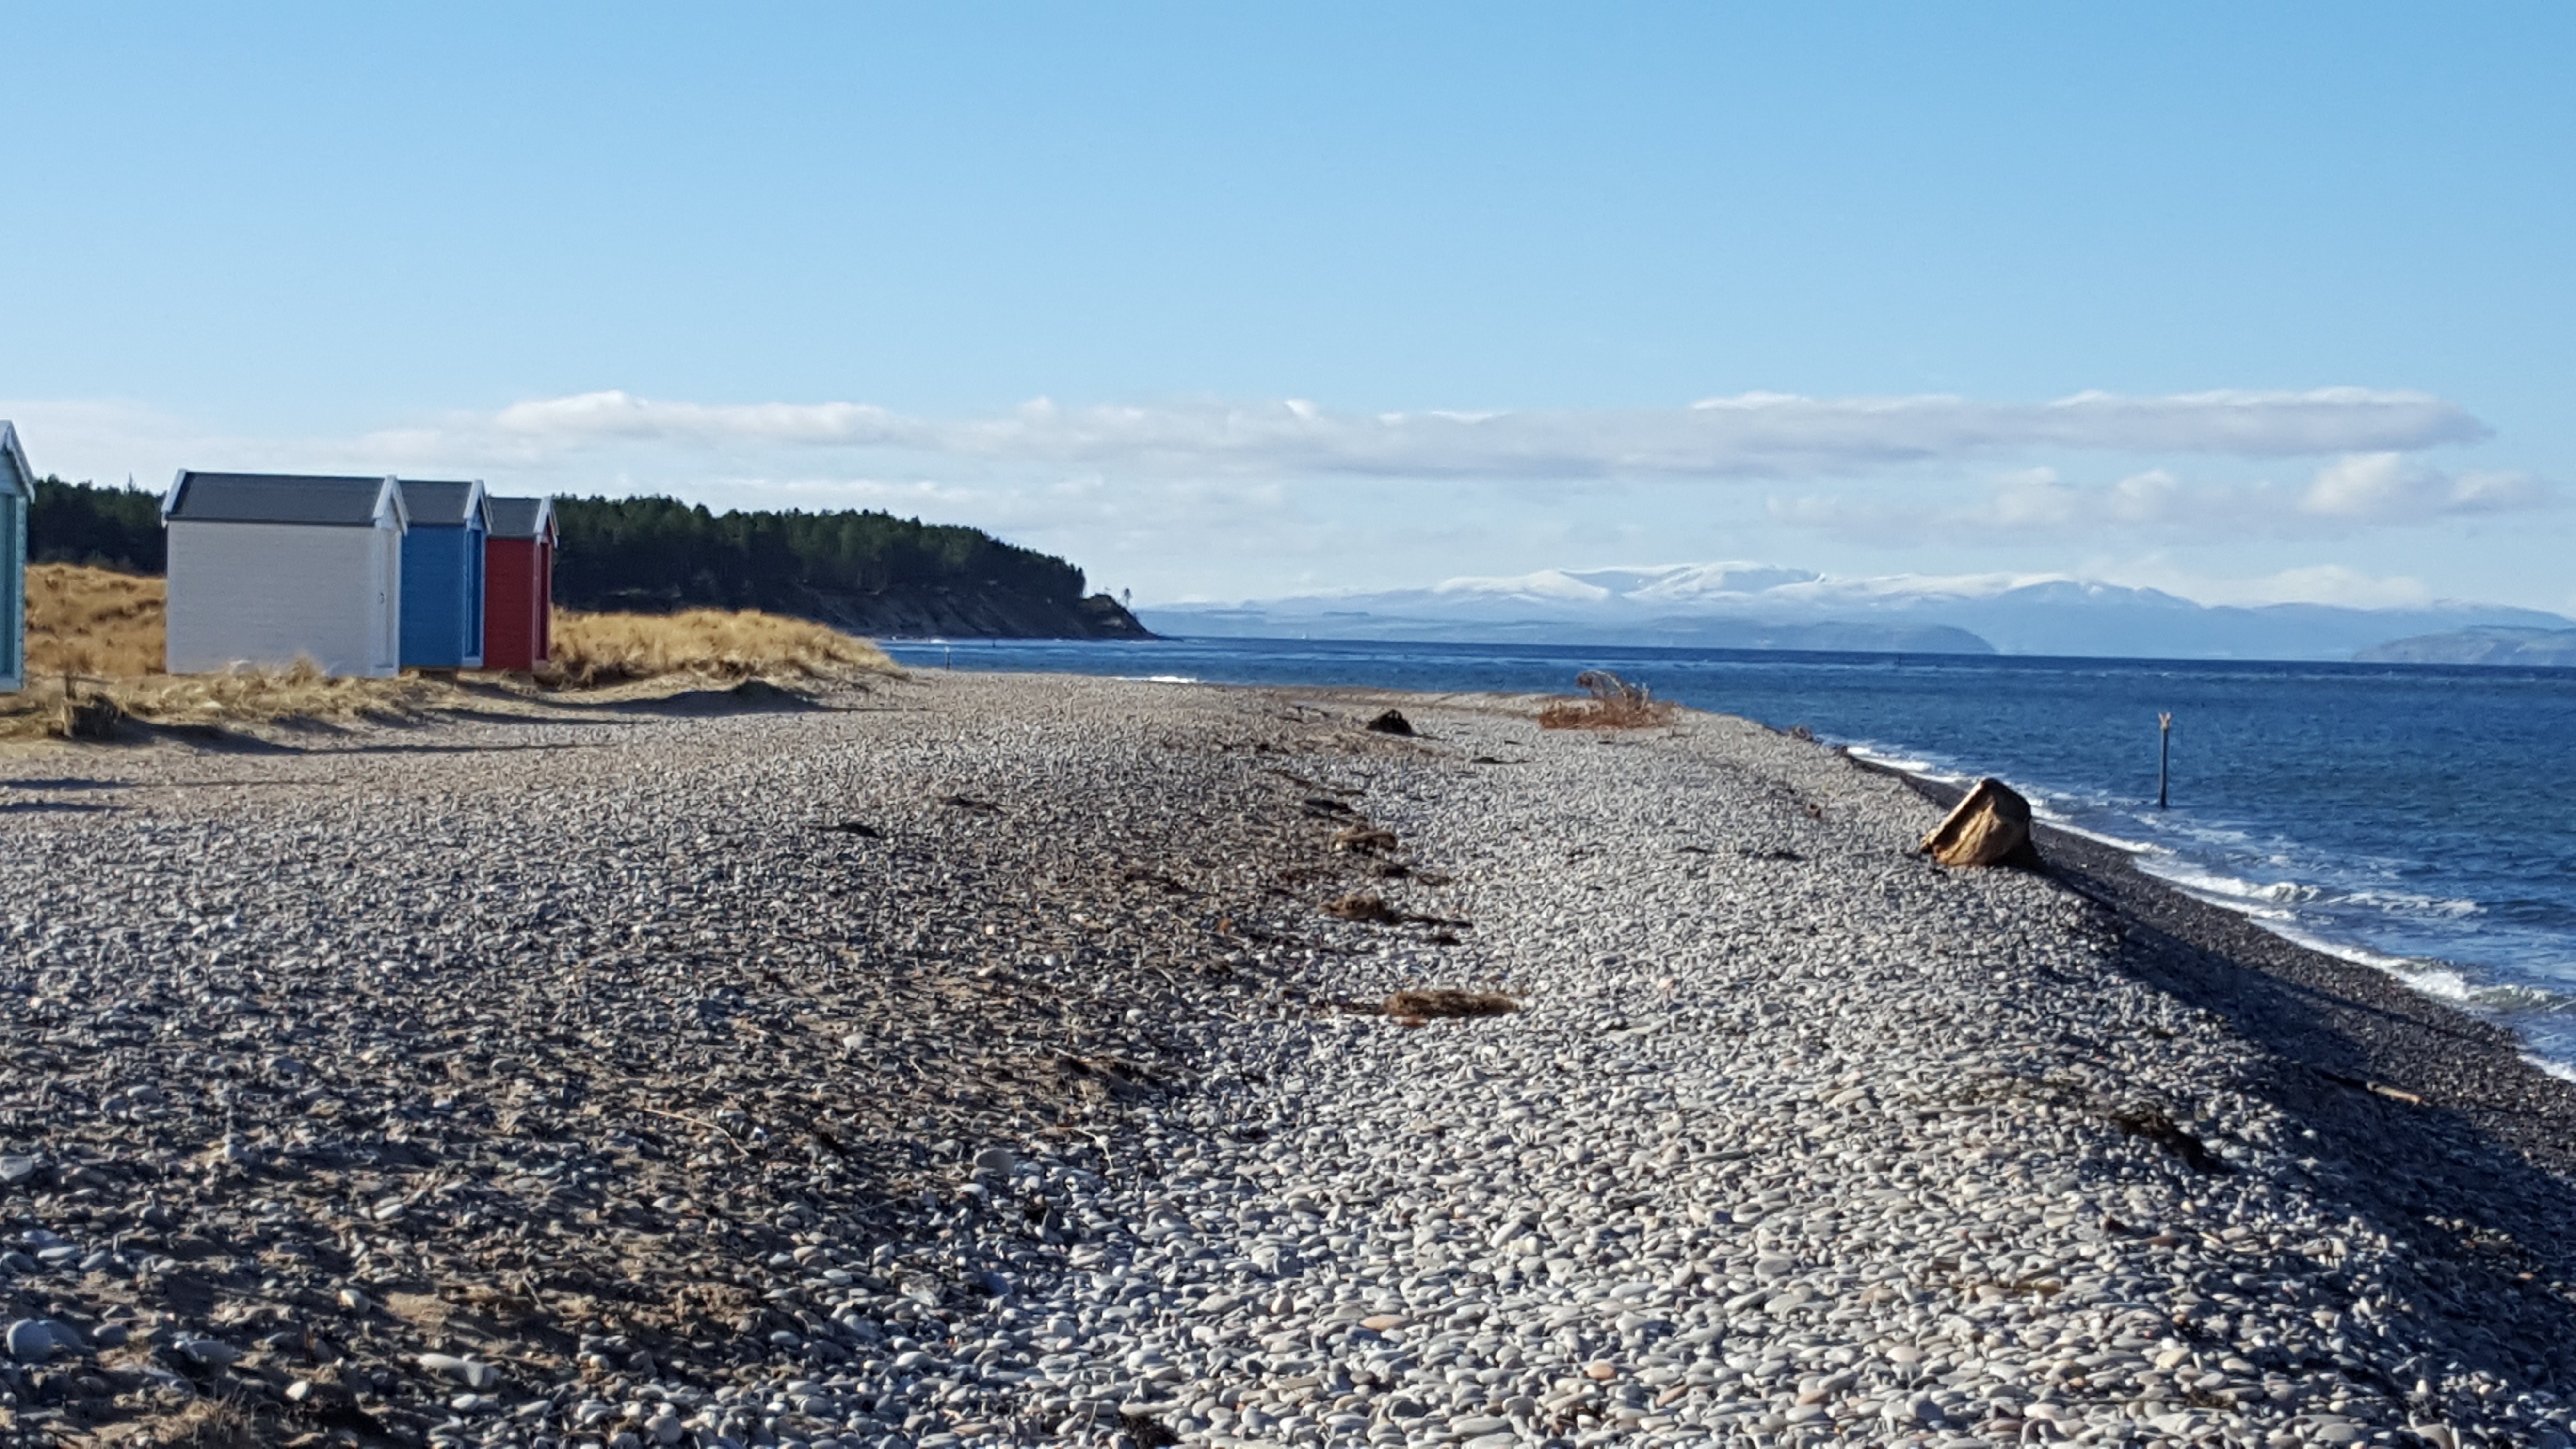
472	1373
31	1340
996	1162
1392	722
16	1168
1381	1322
1602	1371
211	1353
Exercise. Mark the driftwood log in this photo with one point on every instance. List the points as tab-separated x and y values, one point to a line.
1989	826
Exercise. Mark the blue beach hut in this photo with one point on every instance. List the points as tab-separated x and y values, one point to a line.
17	491
442	574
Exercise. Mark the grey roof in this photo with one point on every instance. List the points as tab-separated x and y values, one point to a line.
519	517
274	498
440	503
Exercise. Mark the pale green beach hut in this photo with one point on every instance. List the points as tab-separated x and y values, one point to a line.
17	492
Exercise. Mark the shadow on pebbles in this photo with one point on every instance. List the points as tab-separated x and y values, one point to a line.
1009	1063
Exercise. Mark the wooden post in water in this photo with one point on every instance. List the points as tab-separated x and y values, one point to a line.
2164	754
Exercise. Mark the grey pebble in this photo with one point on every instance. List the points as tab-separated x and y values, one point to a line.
32	1341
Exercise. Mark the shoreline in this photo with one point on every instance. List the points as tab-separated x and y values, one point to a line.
1008	1059
1948	785
2366	1026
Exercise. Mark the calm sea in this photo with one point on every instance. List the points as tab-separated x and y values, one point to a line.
2416	818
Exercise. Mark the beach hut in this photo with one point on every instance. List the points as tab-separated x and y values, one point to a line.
266	568
442	574
17	491
519	584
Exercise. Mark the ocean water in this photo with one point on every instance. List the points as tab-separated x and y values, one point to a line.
2417	818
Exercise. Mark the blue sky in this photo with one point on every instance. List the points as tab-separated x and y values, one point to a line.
1229	302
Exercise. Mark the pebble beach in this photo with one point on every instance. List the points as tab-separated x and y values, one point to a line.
992	1059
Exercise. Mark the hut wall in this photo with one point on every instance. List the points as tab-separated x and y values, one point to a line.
442	623
266	594
518	603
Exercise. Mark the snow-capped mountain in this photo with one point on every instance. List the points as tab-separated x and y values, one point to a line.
1763	606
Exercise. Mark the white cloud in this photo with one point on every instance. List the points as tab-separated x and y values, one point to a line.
1754	435
2349	493
2386	488
1205	498
1757	435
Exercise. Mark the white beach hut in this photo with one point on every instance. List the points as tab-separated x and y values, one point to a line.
266	568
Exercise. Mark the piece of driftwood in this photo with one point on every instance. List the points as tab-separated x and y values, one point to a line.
1989	826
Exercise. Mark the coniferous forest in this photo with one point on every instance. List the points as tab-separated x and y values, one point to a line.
109	528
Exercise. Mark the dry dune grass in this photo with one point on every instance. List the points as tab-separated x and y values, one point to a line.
92	621
94	655
299	691
79	706
591	650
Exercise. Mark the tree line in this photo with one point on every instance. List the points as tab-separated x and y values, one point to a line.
660	552
108	528
646	553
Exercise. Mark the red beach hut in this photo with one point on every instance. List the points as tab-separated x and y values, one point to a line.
519	583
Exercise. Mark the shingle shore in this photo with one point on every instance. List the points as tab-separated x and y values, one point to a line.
977	1063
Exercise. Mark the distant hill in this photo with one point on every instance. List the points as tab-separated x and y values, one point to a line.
1288	619
2527	648
865	572
1750	605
